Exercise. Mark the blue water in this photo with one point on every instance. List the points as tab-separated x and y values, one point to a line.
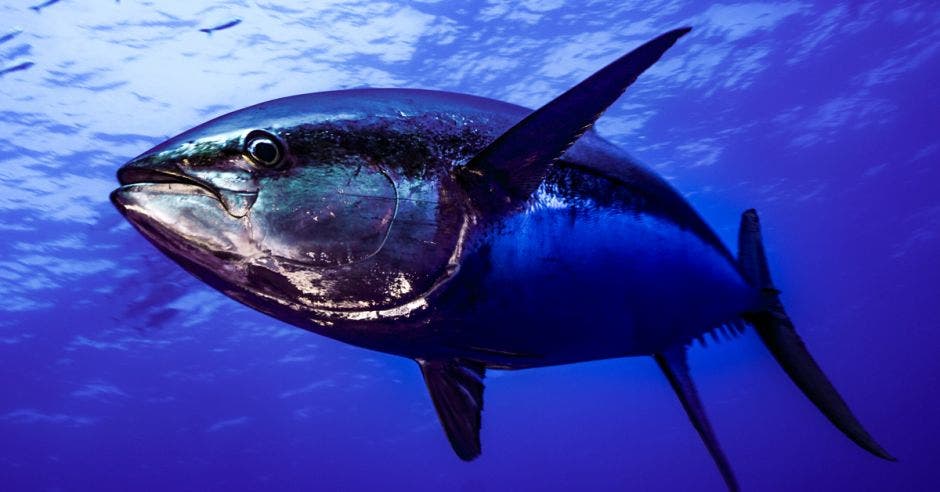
121	372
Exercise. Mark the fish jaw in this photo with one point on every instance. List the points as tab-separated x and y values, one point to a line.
184	220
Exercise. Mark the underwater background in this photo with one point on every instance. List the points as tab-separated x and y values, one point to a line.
119	371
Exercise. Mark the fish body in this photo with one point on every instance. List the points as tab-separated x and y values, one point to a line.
10	35
45	4
467	234
227	25
16	68
581	241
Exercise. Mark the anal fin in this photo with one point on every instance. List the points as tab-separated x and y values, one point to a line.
674	365
456	388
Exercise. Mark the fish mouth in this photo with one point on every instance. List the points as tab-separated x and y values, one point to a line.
180	215
133	178
136	176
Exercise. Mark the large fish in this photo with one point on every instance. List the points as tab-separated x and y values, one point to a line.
467	234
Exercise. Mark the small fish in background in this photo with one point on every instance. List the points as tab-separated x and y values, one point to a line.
10	35
45	4
210	30
16	68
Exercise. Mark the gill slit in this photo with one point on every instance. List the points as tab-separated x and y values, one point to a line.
391	223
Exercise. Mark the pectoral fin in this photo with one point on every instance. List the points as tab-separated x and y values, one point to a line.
676	368
511	168
456	388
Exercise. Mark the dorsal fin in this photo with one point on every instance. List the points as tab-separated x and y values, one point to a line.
674	365
456	388
511	168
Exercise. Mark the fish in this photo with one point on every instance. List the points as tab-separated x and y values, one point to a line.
10	35
45	4
16	68
210	30
466	234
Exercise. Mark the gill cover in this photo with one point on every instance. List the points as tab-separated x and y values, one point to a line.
325	213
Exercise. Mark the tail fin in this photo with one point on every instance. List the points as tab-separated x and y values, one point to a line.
779	336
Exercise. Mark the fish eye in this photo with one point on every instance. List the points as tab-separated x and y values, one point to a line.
263	148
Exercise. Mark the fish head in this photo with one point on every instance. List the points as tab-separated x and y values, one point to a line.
241	200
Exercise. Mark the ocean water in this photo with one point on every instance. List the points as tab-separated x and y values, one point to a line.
119	371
